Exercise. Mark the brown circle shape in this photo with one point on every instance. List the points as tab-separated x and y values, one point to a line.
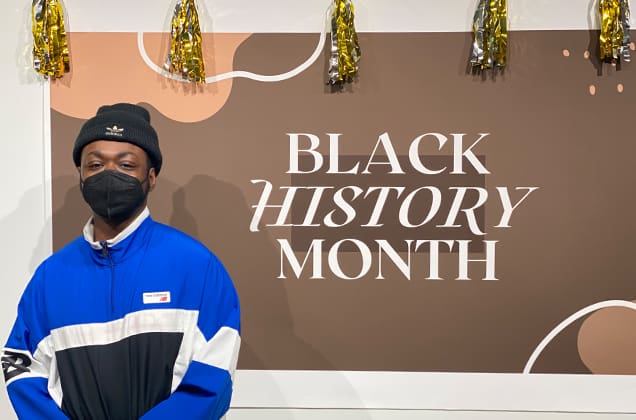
607	341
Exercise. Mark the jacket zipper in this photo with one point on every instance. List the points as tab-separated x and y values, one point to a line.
107	255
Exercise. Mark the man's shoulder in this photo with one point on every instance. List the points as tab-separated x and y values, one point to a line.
65	259
69	251
179	241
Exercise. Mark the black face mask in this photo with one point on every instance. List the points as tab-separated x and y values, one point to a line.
113	195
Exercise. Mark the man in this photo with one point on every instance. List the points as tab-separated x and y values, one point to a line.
134	319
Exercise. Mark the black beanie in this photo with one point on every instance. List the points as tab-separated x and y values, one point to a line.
120	122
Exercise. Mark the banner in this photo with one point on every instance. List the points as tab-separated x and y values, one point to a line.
422	219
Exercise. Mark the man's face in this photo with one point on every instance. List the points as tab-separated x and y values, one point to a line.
124	157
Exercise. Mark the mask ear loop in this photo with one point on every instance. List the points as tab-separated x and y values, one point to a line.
81	183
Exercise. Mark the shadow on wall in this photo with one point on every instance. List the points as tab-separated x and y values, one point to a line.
217	214
69	219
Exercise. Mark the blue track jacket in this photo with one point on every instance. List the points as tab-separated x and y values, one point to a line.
143	326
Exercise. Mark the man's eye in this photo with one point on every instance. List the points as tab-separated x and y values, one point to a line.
94	165
127	165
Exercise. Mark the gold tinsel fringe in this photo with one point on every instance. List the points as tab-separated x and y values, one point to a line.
615	38
490	45
185	57
345	50
50	49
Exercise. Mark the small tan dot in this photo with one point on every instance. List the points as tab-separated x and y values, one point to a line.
632	46
566	53
613	63
592	90
619	88
586	55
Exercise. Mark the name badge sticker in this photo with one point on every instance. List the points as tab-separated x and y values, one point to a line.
156	297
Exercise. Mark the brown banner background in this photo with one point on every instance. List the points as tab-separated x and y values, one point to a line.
569	245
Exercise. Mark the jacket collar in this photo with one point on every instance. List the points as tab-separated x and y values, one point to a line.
89	231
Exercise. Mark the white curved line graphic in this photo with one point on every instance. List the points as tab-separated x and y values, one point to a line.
240	73
577	315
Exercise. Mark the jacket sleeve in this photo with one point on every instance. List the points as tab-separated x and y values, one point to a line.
26	363
205	391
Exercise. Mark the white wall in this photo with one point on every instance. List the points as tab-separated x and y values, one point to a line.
25	227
